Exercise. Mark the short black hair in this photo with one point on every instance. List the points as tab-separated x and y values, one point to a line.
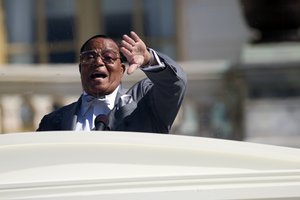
93	37
123	58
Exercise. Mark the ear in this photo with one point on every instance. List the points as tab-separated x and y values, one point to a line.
123	68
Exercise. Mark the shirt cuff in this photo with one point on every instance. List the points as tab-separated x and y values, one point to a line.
159	66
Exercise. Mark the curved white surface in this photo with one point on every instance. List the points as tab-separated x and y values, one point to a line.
121	165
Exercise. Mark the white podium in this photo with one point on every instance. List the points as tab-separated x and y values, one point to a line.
121	165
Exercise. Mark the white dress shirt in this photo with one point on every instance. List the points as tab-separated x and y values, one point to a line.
91	109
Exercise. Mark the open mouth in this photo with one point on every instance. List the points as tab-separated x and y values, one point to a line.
98	75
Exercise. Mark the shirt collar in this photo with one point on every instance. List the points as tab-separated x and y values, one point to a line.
109	99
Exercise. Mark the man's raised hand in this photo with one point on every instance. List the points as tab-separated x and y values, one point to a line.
135	51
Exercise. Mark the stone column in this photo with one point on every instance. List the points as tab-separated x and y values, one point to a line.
11	113
42	105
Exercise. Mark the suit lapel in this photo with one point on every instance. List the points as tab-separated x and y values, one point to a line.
125	105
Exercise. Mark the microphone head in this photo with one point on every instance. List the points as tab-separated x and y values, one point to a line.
101	119
101	123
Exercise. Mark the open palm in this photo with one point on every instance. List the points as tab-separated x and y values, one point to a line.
135	51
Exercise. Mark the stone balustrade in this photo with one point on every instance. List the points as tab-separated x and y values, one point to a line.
28	92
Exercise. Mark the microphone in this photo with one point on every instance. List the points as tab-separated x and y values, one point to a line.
101	123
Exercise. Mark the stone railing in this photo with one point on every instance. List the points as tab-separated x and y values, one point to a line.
28	92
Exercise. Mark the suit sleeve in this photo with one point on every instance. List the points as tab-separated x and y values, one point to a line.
168	90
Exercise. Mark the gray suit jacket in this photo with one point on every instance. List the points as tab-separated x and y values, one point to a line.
151	105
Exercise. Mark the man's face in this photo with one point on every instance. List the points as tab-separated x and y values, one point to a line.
101	69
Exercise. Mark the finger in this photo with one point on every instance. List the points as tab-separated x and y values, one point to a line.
129	40
135	37
125	52
132	68
126	45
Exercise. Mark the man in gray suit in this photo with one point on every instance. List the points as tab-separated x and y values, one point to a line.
151	105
